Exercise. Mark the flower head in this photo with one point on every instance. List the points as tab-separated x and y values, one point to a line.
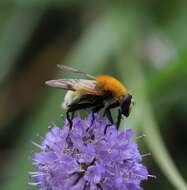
86	157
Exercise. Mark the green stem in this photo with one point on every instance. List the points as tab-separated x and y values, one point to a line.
144	118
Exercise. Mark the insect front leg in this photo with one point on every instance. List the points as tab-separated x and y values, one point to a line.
119	119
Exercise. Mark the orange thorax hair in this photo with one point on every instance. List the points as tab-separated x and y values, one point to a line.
112	85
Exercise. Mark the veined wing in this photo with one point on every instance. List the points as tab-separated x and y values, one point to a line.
74	70
82	85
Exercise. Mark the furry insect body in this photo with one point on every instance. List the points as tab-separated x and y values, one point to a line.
96	93
112	85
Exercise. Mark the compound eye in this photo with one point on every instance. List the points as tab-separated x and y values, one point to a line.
127	104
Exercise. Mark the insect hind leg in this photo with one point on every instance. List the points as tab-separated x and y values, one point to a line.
95	110
108	114
75	107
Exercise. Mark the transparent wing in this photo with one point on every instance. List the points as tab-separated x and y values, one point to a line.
74	70
82	85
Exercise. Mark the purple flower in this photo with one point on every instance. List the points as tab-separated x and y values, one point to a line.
87	158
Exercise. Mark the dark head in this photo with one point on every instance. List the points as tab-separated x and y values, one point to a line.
126	105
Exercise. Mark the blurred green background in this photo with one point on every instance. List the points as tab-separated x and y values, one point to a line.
143	43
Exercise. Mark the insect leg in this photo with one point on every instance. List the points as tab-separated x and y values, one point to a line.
107	112
109	116
69	119
118	119
95	110
75	107
108	108
93	118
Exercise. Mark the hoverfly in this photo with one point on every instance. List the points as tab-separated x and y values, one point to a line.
96	93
